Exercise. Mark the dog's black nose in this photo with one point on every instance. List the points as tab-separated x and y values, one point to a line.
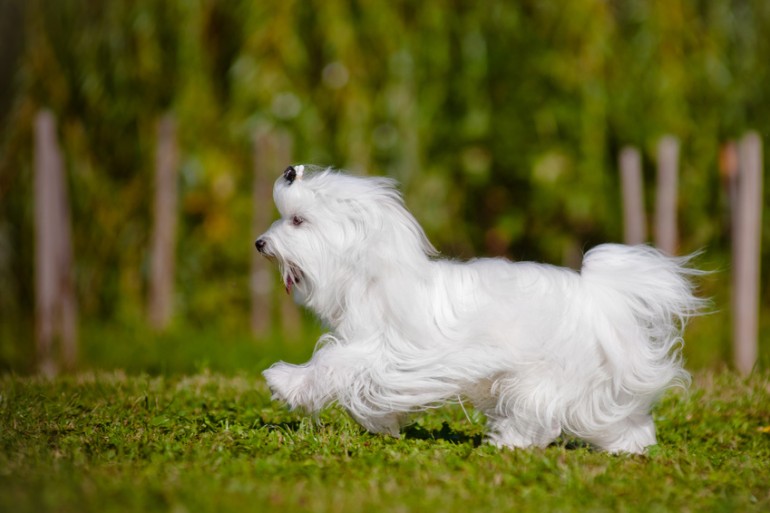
260	244
290	174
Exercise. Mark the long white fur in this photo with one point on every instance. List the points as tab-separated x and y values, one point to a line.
539	349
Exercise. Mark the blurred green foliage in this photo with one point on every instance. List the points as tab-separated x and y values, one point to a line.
502	120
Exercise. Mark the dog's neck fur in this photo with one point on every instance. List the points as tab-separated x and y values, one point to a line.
375	282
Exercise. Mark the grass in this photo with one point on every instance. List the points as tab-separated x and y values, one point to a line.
208	442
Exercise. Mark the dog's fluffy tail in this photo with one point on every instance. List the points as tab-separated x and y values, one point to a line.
640	300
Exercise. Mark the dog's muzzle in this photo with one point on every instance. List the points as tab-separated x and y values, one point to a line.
292	275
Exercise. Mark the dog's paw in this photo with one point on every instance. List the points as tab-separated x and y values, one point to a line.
287	383
386	424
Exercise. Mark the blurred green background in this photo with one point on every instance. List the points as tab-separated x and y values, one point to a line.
501	120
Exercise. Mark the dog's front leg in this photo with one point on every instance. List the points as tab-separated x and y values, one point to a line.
313	385
336	373
297	386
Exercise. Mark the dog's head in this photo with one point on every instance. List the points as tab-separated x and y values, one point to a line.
336	229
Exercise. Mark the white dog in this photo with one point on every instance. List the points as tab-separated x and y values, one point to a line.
539	349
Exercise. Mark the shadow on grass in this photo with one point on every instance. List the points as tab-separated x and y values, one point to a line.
417	432
447	434
570	443
291	426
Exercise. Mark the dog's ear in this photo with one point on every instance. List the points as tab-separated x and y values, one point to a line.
290	174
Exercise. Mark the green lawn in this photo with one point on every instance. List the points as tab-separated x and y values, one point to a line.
206	442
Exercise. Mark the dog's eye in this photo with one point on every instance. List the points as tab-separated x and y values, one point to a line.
297	220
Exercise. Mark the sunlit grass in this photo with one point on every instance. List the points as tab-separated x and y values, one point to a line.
205	442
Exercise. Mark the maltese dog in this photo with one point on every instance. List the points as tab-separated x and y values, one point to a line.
540	350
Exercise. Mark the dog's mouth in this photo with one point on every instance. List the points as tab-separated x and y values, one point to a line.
292	275
290	272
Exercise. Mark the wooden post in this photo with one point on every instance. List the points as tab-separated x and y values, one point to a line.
666	233
265	171
747	212
632	188
56	306
162	269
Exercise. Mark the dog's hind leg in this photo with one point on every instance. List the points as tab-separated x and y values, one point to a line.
631	435
514	422
520	432
389	423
